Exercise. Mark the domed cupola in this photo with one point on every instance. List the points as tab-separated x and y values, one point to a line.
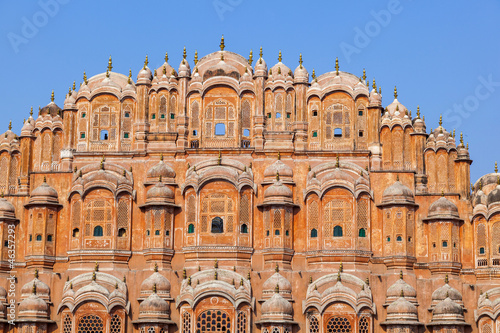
93	287
375	97
278	193
50	109
145	76
446	291
162	170
222	68
398	193
44	194
156	279
33	307
184	68
160	193
276	310
396	109
402	312
394	291
285	288
43	290
28	125
418	123
7	210
443	209
301	75
494	196
448	313
279	71
154	307
130	87
165	70
285	172
260	68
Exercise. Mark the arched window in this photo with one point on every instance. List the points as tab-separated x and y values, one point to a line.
157	232
313	325
67	324
337	132
90	324
445	244
315	134
362	232
49	238
38	238
186	322
244	229
76	232
337	231
214	321
481	250
122	232
191	228
242	322
98	232
314	233
104	135
399	238
364	324
217	225
116	324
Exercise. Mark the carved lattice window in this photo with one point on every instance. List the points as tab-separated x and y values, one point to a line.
242	322
116	324
338	212
213	321
481	238
186	322
4	167
338	325
313	325
67	324
195	115
91	324
217	205
495	239
313	215
364	325
13	175
123	214
98	212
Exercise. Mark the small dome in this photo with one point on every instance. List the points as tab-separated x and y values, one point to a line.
278	167
480	198
396	109
161	169
446	291
443	208
394	291
375	98
144	75
160	192
285	288
260	68
222	68
402	308
33	305
162	285
184	68
50	109
448	307
27	127
45	190
278	192
276	306
280	68
41	288
493	196
153	305
398	192
301	74
7	210
92	287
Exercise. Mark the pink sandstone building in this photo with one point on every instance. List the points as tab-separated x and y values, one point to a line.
226	195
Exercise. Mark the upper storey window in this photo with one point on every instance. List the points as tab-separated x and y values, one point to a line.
220	129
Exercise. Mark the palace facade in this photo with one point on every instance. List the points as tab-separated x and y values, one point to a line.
235	197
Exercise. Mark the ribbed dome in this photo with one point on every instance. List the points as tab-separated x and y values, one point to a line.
285	287
92	287
27	127
161	169
280	68
278	191
45	191
50	109
402	308
260	68
222	68
33	305
446	291
277	306
41	288
144	75
7	210
162	285
480	198
301	74
394	291
398	192
396	108
493	196
160	192
278	167
443	208
154	305
447	307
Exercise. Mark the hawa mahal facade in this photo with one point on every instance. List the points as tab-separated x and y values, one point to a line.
229	196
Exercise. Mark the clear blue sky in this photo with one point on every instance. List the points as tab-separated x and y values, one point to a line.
441	55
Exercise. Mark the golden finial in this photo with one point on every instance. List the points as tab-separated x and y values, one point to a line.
364	74
241	282
260	53
184	55
74	85
44	179
402	294
480	184
219	159
315	287
442	193
374	85
173	72
467	146
159	179
367	281
33	290
300	60
277	268
85	78
94	277
36	273
313	74
498	180
216	264
446	279
279	156
279	70
310	279
279	56
69	91
337	65
2	195
339	277
215	275
52	96
199	268
124	279
166	57
96	266
401	275
250	58
395	92
337	163
277	175
397	178
110	64
146	62
71	285
154	288
440	120
447	294
277	289
380	90
102	165
486	295
462	138
184	274
367	84
156	267
31	112
189	281
222	56
341	267
195	57
222	45
10	125
248	276
129	81
496	167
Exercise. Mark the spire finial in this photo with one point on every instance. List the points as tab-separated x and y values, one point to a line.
277	176
184	274
10	125
189	281
36	273
341	267
442	193
279	56
374	85
337	163
74	85
446	279
96	266
44	179
447	293
486	295
364	74
496	167
367	281
85	78
154	288
380	90
52	96
402	294
222	45
277	268
166	57
397	178
31	112
300	60
314	74
33	290
216	275
418	111
462	138
250	58
195	57
156	267
241	282
184	55
146	62
260	52
219	158
216	264
161	157
279	156
110	64
441	120
94	277
339	277
129	81
401	274
395	92
337	65
277	289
